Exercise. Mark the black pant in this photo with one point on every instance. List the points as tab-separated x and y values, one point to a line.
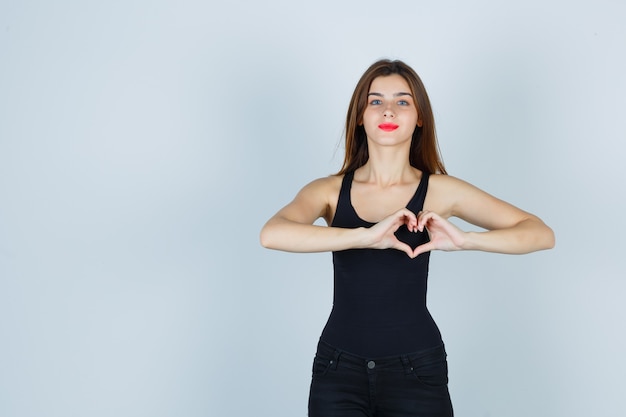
412	385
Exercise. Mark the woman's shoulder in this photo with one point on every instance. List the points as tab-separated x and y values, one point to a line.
445	181
324	185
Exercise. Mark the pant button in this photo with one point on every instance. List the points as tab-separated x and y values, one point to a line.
371	364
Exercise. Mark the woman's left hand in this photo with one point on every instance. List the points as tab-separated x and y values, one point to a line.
443	234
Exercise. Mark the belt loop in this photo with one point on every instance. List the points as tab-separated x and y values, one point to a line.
408	369
335	360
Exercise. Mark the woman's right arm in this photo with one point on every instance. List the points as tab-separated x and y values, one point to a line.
292	228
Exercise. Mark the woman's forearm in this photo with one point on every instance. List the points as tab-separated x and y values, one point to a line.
290	236
527	236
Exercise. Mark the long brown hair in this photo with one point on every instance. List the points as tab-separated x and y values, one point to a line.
424	154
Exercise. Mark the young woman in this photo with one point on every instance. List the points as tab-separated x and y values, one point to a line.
381	353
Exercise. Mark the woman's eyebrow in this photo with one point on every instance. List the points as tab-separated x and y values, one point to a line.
402	93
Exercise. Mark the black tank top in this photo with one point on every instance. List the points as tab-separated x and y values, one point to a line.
379	304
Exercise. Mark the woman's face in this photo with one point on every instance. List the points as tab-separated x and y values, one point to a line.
391	115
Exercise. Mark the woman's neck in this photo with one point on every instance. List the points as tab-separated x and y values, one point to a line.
387	166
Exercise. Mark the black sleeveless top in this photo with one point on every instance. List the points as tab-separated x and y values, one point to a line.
379	305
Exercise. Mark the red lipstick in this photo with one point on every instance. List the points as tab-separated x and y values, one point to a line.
388	127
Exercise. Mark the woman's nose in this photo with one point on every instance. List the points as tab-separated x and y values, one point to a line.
389	112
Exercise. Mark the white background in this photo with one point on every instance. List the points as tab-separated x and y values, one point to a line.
143	144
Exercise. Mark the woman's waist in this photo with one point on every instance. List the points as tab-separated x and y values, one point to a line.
373	340
391	361
375	312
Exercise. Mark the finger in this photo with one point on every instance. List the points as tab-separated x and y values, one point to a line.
410	219
424	218
411	224
408	214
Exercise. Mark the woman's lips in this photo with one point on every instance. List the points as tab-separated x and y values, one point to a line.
387	127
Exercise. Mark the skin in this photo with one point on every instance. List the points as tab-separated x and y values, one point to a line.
385	184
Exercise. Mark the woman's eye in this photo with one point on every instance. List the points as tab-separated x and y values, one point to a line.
375	102
403	103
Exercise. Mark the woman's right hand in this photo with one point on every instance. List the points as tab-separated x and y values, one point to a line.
382	234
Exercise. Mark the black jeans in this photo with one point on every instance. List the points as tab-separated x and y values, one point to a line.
412	385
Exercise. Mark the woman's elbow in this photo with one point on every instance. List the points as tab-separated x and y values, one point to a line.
544	238
265	237
549	239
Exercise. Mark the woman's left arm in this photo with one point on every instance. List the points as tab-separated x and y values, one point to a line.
508	229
